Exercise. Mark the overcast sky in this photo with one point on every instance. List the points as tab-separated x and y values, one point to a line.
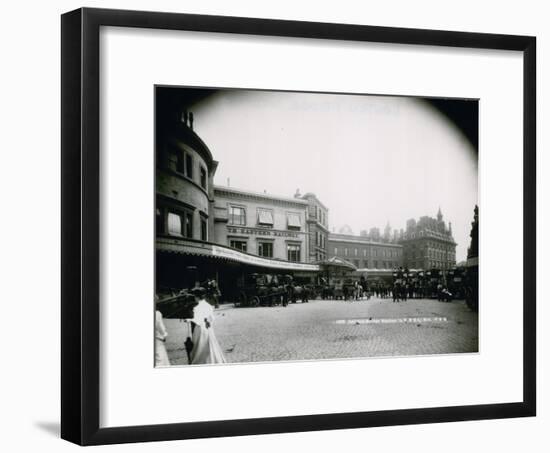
369	159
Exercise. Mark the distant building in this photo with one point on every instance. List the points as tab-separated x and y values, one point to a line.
345	229
428	243
317	227
364	252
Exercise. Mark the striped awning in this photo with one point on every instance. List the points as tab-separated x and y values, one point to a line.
294	221
265	217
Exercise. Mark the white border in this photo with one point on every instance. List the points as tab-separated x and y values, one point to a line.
133	392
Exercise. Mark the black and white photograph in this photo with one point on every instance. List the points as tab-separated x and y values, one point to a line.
297	226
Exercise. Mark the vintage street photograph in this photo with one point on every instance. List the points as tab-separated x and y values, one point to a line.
313	226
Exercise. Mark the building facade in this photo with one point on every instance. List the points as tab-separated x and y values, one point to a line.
364	252
428	243
261	224
316	227
205	232
184	183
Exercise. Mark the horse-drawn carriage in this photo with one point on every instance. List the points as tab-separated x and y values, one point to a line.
270	290
175	303
262	290
455	282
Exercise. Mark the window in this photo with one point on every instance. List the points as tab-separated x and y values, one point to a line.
293	221
336	250
355	251
175	160
375	264
188	227
356	262
265	217
238	244
174	224
346	251
265	249
204	229
237	215
159	223
293	252
180	224
203	177
188	165
316	238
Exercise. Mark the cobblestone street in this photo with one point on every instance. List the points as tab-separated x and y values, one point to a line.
328	329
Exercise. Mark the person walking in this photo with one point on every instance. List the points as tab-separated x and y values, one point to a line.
161	355
206	348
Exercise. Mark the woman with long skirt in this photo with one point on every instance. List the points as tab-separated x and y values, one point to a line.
206	348
161	356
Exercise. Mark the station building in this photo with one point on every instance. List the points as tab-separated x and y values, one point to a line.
205	232
364	252
428	244
262	224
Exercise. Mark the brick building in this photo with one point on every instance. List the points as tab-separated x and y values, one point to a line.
428	243
364	252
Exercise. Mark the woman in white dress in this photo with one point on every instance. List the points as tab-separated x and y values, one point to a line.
161	356
206	348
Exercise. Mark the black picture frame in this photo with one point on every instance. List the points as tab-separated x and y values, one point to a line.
80	264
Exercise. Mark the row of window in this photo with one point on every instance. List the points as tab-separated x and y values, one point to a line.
367	252
320	239
320	215
265	249
182	162
264	218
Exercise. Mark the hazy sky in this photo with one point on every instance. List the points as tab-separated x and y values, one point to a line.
369	159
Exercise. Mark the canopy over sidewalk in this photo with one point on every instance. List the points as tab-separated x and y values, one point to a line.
336	262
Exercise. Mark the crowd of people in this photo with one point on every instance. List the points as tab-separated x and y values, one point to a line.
201	344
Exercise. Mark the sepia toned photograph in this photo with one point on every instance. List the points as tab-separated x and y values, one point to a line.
313	226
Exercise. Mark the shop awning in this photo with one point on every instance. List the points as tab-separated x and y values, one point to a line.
198	248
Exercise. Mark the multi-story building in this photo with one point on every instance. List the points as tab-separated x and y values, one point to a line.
316	227
184	182
207	232
261	224
428	243
364	252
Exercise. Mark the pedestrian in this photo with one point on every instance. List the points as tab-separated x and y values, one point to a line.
206	348
161	355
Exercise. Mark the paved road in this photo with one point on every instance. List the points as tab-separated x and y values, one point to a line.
324	329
